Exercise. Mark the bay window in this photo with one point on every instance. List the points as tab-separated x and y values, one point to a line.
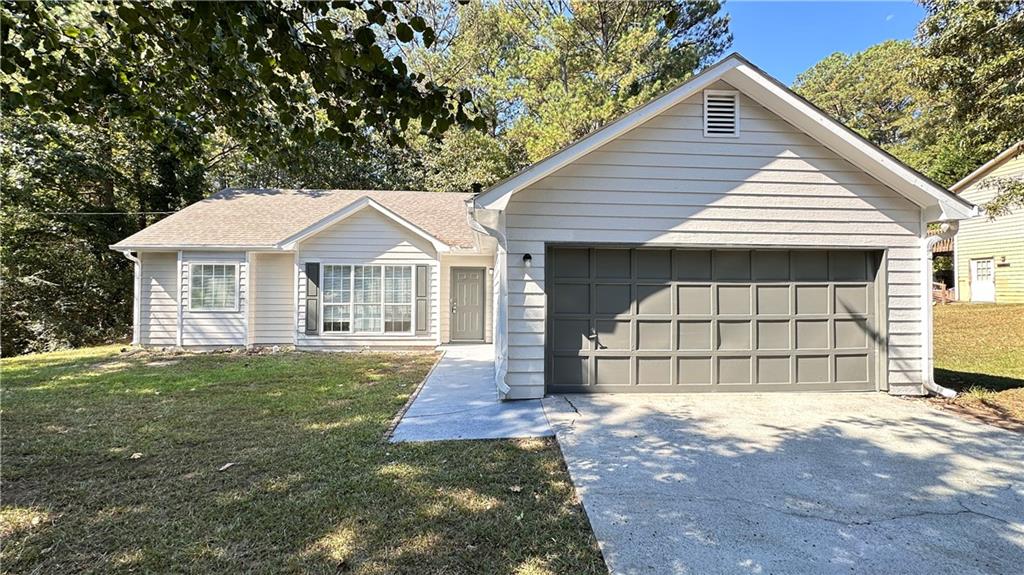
367	299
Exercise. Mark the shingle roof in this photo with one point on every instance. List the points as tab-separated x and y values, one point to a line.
267	217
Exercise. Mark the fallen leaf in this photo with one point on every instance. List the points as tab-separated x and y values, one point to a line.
136	455
515	489
226	466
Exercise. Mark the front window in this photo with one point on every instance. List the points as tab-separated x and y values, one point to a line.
367	299
214	287
337	290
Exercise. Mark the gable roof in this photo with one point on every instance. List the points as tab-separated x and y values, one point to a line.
735	70
269	219
1003	157
355	207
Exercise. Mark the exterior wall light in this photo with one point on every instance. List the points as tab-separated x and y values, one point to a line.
527	260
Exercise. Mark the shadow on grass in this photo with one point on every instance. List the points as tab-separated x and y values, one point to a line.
962	381
312	488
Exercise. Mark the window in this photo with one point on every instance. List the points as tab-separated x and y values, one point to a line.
214	287
721	113
367	299
366	294
397	298
337	293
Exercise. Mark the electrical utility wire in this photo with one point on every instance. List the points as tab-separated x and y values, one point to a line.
97	213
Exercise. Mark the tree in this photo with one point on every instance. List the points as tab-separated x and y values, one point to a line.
974	58
1009	196
562	69
545	73
871	92
269	73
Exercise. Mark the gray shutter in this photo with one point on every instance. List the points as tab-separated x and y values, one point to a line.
422	300
312	298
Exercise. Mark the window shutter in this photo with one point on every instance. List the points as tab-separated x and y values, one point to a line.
422	300
721	113
312	298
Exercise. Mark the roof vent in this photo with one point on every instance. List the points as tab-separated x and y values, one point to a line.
721	113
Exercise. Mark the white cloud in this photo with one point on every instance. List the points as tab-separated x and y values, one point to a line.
890	17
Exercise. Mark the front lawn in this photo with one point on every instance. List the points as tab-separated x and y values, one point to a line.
979	350
115	463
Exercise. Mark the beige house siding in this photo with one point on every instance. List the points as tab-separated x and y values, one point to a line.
665	184
448	261
367	237
158	310
273	299
214	329
1001	239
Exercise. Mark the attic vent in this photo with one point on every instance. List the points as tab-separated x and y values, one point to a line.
721	113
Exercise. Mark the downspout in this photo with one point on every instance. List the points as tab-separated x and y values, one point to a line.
501	301
948	230
137	294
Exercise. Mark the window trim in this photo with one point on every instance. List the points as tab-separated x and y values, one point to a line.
351	303
238	287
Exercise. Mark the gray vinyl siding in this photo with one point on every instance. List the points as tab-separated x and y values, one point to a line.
214	328
366	238
665	184
158	310
273	299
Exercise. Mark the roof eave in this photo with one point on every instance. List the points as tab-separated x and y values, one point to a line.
122	247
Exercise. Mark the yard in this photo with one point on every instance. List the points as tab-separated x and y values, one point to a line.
979	350
118	463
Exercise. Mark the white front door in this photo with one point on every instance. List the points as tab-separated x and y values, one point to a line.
983	284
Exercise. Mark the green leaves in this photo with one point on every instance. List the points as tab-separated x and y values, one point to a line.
259	71
404	32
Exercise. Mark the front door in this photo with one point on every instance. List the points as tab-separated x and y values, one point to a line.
467	304
983	283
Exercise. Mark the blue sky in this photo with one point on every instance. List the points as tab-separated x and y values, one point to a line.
786	38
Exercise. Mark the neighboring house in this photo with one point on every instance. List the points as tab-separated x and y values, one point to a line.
989	254
727	236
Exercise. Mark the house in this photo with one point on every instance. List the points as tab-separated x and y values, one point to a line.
314	269
989	254
726	236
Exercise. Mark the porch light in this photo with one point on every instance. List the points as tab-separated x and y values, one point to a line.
527	260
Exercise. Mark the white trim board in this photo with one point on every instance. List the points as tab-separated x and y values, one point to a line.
937	202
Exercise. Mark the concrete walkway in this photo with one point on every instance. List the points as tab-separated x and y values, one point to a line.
793	483
459	401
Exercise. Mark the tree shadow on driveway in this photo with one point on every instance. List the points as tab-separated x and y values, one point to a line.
814	483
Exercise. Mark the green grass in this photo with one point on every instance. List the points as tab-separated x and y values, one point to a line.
979	349
313	489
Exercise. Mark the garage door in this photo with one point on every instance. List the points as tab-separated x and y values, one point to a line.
648	320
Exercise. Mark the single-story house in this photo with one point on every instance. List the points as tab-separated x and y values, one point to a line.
988	255
726	236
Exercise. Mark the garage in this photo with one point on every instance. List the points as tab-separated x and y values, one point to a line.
629	319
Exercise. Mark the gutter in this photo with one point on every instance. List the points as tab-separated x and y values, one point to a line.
500	303
137	293
948	230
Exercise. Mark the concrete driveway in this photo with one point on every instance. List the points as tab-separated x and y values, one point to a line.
795	483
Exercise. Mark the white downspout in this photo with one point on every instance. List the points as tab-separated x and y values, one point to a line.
137	295
500	306
948	230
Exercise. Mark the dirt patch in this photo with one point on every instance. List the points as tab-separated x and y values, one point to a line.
1004	409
